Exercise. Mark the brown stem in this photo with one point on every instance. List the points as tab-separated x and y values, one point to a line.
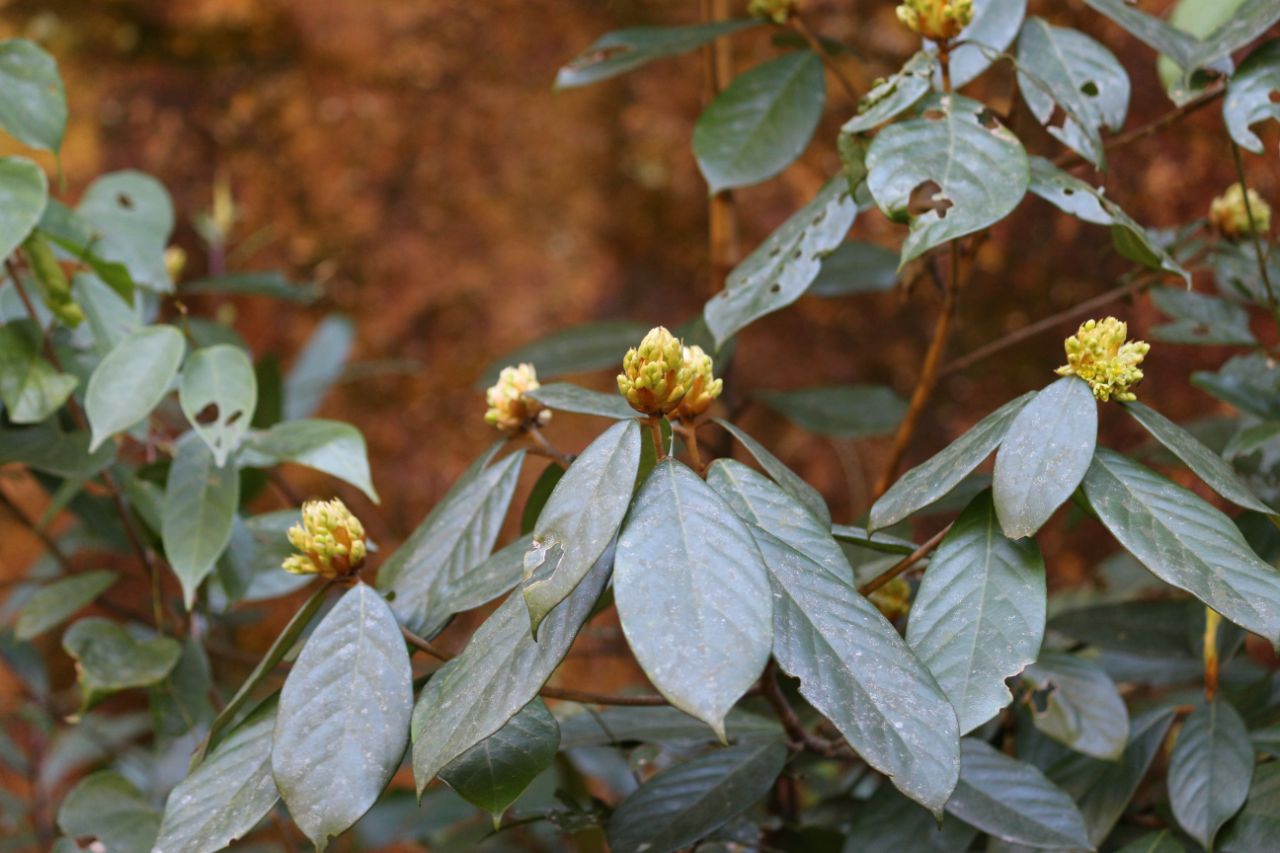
1253	230
689	432
798	23
1212	619
801	737
905	563
45	539
546	448
655	432
722	222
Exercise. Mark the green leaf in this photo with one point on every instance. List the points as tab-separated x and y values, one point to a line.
790	481
895	95
691	800
1137	627
451	541
227	795
567	397
1258	824
978	617
344	712
318	366
1251	383
855	267
878	541
271	284
685	558
581	518
574	350
994	26
890	822
110	318
23	187
537	499
132	380
658	724
1206	464
761	122
853	666
30	387
1252	19
109	660
76	236
495	772
1249	93
933	480
623	50
781	268
1149	30
1164	841
334	447
1077	704
250	568
33	105
1044	455
495	576
57	601
978	166
108	807
840	411
46	448
218	394
180	703
200	500
1064	67
1210	770
1184	541
1013	801
133	215
1200	319
499	672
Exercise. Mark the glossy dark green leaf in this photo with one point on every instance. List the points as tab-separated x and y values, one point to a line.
890	823
451	541
1164	841
623	50
1251	383
1248	98
685	558
761	122
1206	464
1200	319
33	105
894	95
48	449
31	388
487	581
538	496
978	616
499	672
1076	703
180	703
1184	541
1257	826
994	26
107	807
56	602
343	721
979	167
789	480
1149	30
23	187
1252	19
133	215
581	518
200	501
932	480
1210	770
1138	627
841	411
591	346
1236	274
336	448
567	397
227	795
878	541
272	284
1014	802
855	267
218	394
1044	455
108	659
658	724
249	569
131	380
495	772
1062	67
781	268
691	800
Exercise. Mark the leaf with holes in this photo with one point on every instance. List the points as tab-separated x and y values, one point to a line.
1044	455
974	167
994	26
495	772
109	660
31	388
24	191
567	397
218	394
1251	96
1210	770
624	50
344	712
1063	67
133	215
978	616
132	380
790	481
781	268
581	518
688	802
1077	704
761	122
895	95
685	558
334	447
200	501
33	104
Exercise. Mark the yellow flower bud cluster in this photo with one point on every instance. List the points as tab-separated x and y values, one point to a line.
510	410
662	376
893	599
1099	355
777	11
936	20
1230	218
330	539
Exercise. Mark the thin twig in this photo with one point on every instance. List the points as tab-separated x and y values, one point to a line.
655	432
546	448
905	563
722	220
689	432
800	737
45	539
799	25
1253	231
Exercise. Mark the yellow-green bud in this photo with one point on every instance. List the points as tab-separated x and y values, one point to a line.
893	599
1230	217
777	11
703	385
510	410
1099	354
936	20
175	261
52	281
330	540
654	376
